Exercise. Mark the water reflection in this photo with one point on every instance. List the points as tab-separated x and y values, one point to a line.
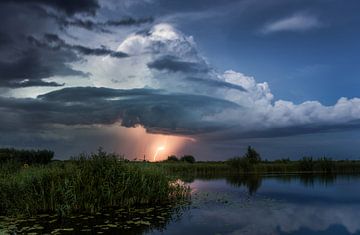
252	181
272	204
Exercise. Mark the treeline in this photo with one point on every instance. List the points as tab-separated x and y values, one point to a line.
251	162
185	158
25	156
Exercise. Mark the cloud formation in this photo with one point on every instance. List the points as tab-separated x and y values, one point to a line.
188	97
158	111
54	42
157	78
295	23
70	7
36	49
168	59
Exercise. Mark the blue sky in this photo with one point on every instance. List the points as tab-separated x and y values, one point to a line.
211	76
317	63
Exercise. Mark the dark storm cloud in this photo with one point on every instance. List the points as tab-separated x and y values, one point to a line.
28	58
70	7
54	42
99	26
237	133
23	64
32	83
156	110
36	64
173	64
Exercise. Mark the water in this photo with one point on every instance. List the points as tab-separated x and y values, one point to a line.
301	205
292	204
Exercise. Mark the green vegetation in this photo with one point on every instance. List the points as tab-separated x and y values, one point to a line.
85	184
251	162
31	183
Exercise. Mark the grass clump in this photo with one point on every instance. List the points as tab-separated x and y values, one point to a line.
88	184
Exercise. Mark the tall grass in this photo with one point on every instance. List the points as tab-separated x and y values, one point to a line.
85	184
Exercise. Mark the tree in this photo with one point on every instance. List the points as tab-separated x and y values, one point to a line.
188	158
252	155
172	158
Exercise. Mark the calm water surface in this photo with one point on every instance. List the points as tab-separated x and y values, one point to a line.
301	205
292	204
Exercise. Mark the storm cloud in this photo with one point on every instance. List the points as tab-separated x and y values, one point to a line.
70	7
80	64
36	48
156	110
54	42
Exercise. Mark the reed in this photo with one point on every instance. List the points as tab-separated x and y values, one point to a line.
86	184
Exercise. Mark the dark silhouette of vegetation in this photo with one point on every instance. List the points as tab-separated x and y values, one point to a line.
172	158
322	164
247	162
282	160
240	164
252	155
326	164
306	164
185	158
188	159
26	156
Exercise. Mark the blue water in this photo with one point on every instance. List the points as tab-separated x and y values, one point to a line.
301	205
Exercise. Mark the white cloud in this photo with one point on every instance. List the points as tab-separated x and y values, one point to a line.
295	23
258	109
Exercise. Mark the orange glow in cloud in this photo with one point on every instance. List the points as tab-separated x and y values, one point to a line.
136	142
158	150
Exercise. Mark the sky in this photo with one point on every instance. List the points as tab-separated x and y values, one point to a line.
163	77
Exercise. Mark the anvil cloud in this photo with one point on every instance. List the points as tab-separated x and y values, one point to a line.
60	69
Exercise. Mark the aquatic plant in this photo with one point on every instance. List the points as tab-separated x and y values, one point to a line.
87	183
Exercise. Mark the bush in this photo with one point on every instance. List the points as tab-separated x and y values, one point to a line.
252	155
241	164
188	158
172	158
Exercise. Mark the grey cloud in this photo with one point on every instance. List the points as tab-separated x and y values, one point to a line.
54	42
70	7
173	64
237	133
23	64
35	65
97	25
215	83
31	83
